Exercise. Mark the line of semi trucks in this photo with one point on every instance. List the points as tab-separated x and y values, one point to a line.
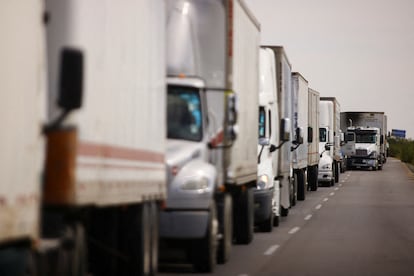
136	126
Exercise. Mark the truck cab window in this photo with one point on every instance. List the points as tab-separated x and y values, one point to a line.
368	138
184	118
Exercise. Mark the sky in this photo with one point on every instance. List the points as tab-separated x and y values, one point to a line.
359	51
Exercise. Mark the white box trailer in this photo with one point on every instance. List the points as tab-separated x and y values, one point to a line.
300	126
313	139
213	59
271	138
105	168
329	135
284	94
22	105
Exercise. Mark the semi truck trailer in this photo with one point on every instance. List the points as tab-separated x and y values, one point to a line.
300	128
272	135
313	139
329	140
212	107
84	155
284	94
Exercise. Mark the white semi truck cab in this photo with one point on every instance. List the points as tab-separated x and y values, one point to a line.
213	82
363	147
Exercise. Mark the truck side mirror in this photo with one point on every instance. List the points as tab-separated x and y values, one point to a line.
285	130
70	79
382	139
327	147
231	107
299	136
310	134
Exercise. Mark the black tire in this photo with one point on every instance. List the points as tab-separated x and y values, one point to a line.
155	217
267	225
205	250
313	178
225	212
284	212
276	221
336	172
300	176
135	241
244	216
294	187
80	251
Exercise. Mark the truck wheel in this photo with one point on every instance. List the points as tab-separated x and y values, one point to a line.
300	176
276	220
225	212
313	179
336	172
205	251
294	187
136	238
155	217
80	253
244	216
284	212
267	225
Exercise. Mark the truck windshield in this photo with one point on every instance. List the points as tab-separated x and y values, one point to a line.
366	138
184	114
322	135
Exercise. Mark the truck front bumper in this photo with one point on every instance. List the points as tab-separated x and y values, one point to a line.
325	176
362	162
183	224
262	204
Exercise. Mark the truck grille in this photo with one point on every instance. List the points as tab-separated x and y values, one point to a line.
361	152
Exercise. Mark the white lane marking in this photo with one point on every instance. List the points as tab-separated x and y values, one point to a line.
243	275
294	230
343	181
325	199
271	250
336	189
332	194
319	206
308	217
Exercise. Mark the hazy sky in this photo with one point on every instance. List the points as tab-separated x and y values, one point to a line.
360	51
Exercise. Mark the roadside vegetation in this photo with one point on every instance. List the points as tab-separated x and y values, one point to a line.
402	149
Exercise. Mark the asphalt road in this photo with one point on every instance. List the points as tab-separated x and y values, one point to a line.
364	225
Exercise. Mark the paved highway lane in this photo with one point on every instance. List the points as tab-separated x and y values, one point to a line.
362	226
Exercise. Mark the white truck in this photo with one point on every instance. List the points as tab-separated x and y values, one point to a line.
300	126
366	139
313	139
272	135
213	83
284	95
103	178
329	140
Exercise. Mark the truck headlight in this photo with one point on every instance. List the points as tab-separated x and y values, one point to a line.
263	182
196	184
327	167
373	154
